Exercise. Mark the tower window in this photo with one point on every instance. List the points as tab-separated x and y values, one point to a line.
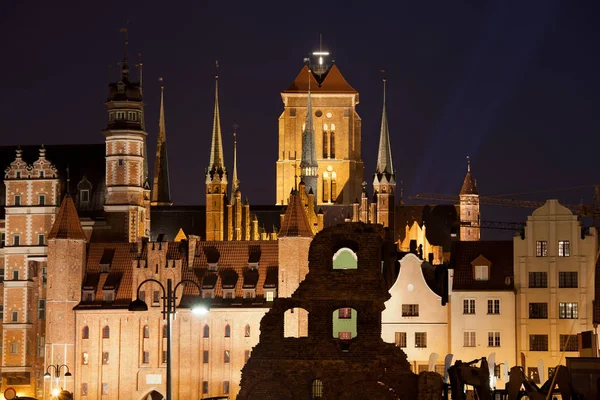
14	316
16	239
227	331
146	331
42	309
17	199
146	357
106	332
41	239
15	275
105	357
121	162
18	174
42	199
84	196
332	142
41	174
14	348
85	332
317	390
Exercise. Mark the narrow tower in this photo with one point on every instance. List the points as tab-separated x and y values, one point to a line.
308	165
216	179
384	179
161	189
469	208
127	191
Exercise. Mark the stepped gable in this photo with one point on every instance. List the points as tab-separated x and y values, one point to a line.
498	253
358	368
67	224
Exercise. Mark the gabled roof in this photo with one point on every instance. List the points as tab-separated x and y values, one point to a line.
498	253
331	82
67	224
295	222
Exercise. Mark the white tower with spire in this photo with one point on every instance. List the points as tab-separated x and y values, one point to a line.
469	208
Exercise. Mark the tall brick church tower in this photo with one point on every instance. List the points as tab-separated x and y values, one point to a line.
337	135
469	208
127	189
216	179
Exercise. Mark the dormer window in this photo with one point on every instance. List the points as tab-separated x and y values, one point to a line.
482	273
108	295
228	293
253	266
88	296
84	196
249	293
212	267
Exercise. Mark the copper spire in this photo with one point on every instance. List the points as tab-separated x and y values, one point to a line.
235	185
469	185
161	189
384	157
217	163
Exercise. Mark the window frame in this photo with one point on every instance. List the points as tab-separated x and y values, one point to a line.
541	248
469	306
564	248
421	340
541	346
538	280
469	339
400	339
493	305
410	310
568	310
494	339
540	314
568	279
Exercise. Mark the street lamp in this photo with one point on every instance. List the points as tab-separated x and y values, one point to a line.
168	310
56	391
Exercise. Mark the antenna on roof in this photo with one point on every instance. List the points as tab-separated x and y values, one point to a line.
140	64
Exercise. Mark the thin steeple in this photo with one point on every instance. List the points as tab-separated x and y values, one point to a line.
161	189
308	163
217	163
235	185
125	62
384	157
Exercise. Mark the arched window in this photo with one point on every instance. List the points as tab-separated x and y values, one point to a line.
227	331
146	331
317	389
165	331
106	332
247	331
333	187
325	139
85	332
206	332
345	258
332	142
344	323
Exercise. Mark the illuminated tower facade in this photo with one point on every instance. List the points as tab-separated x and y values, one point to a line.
127	189
469	208
216	180
336	131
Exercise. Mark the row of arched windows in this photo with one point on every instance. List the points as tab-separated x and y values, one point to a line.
85	331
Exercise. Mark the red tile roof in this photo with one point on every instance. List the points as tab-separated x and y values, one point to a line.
295	222
332	82
501	272
67	225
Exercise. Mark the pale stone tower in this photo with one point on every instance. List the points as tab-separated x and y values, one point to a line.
127	190
384	179
216	179
66	259
469	208
161	188
32	196
336	132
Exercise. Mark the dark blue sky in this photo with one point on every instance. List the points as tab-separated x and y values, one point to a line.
513	84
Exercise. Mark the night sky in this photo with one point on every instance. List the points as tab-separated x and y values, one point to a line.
512	84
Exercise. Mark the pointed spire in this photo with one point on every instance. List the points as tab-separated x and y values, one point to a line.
217	163
384	157
125	63
161	188
67	224
140	65
235	185
308	163
295	222
469	185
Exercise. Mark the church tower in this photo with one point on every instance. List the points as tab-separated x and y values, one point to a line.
384	179
127	190
309	168
336	131
161	188
216	179
469	208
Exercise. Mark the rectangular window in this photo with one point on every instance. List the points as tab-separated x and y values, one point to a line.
482	273
226	356
469	306
1	313
538	279
493	306
16	239
121	162
205	387
84	389
41	346
568	311
155	298
2	239
15	274
42	199
44	274
246	355
564	248
205	356
84	196
420	339
1	274
345	313
345	335
569	343
410	310
269	295
104	388
226	387
146	357
538	310
469	339
17	199
85	358
164	357
105	358
493	339
567	279
538	342
14	316
42	309
400	339
533	374
541	248
41	239
14	348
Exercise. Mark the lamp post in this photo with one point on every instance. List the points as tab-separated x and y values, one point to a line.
169	305
56	369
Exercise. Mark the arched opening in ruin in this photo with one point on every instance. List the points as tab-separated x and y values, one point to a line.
345	258
295	323
153	395
344	323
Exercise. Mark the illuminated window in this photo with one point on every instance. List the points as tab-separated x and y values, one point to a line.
541	248
567	279
146	331
569	343
538	342
247	331
226	356
420	339
227	331
106	332
85	332
84	358
105	357
317	390
481	273
269	295
493	339
400	339
345	313
493	306
533	374
410	310
538	280
469	306
469	339
564	248
568	311
84	389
